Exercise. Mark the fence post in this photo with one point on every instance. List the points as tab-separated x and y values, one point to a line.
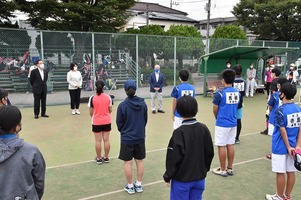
93	62
175	61
42	45
137	60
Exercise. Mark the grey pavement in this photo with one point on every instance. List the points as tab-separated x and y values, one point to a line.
62	97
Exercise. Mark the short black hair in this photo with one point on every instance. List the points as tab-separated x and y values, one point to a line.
72	66
276	71
184	74
228	62
99	86
289	90
238	69
187	106
10	117
3	93
228	75
281	81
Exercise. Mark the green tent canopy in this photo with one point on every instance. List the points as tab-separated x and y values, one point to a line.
215	62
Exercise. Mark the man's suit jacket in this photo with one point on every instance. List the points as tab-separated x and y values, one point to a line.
38	85
153	82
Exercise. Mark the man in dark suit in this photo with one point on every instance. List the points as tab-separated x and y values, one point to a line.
38	80
156	82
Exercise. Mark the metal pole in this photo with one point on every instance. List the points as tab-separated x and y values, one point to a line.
208	5
93	62
147	16
175	61
42	46
137	60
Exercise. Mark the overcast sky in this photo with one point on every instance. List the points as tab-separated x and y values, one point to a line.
195	8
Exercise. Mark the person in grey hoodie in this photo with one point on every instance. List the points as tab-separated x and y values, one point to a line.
131	120
22	166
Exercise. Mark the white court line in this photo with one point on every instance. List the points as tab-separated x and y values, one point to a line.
152	151
118	191
156	182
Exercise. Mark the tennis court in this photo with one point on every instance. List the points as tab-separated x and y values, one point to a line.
67	144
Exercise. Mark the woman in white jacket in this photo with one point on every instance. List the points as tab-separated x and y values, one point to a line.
74	78
292	74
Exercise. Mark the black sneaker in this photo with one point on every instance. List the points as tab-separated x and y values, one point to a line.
105	160
265	132
98	161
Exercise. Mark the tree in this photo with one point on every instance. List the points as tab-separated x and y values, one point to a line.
6	10
189	45
227	36
271	19
77	15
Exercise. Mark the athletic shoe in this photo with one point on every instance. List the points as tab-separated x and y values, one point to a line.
77	112
105	160
128	189
218	171
273	197
98	161
138	188
73	112
154	112
265	132
230	172
237	141
287	197
161	111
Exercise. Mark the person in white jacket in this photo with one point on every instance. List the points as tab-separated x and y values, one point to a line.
74	78
292	74
251	73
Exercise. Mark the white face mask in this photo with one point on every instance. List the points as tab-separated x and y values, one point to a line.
228	66
75	68
291	68
41	66
251	66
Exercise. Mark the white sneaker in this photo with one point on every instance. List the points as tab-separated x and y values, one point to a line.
273	197
73	112
218	171
77	112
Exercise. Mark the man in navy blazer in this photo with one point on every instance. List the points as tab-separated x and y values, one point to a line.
156	82
38	80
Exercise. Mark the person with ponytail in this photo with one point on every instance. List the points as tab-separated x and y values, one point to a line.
131	120
100	110
22	166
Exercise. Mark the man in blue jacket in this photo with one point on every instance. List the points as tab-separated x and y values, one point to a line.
156	81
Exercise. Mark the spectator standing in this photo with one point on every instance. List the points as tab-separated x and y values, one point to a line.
22	166
189	154
251	73
74	78
225	104
292	74
156	82
184	88
268	79
285	139
100	110
38	80
131	120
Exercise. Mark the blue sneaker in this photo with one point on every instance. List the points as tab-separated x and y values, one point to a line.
138	188
128	189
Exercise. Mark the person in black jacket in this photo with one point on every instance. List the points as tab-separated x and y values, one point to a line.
189	154
38	80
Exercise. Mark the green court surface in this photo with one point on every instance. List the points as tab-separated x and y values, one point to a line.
67	144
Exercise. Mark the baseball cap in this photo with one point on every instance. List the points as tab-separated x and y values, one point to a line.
3	93
130	84
297	159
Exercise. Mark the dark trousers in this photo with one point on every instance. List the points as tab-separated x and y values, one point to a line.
40	98
75	98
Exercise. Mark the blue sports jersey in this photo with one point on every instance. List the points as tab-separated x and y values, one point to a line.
227	100
275	102
181	90
288	116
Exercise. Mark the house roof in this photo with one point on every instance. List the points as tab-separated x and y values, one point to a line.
158	12
154	7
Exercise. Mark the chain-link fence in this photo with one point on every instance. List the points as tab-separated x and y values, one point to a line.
133	55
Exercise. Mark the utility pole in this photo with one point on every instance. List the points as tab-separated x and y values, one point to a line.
208	5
